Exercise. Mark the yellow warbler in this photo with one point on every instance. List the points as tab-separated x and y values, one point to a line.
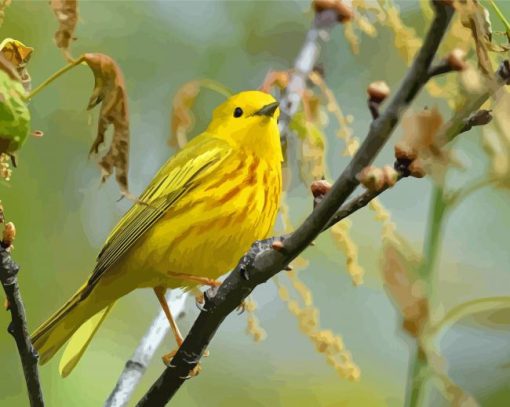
197	217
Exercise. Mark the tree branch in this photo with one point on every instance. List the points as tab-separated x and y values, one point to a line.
262	262
135	367
18	326
323	23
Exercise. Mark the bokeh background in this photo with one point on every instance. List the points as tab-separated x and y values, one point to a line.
63	215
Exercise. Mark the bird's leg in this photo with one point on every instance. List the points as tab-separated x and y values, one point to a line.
160	294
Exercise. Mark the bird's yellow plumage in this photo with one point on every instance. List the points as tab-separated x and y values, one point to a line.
200	213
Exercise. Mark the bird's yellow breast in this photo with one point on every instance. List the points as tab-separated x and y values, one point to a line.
208	230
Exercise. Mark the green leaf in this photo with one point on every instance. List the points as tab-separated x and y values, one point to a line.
14	115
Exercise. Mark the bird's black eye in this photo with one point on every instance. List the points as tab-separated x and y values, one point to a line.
238	112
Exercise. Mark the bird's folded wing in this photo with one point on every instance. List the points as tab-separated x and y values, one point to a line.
177	177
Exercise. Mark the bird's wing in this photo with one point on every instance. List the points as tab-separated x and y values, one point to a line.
178	175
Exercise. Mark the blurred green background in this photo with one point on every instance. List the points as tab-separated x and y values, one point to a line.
63	215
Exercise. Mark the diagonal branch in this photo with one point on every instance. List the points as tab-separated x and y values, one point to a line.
18	326
262	262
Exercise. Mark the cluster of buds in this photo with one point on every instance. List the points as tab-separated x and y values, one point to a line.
5	167
376	179
407	162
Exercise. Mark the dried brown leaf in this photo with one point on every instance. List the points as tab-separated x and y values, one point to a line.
110	91
66	12
181	117
18	54
280	79
420	129
476	18
399	266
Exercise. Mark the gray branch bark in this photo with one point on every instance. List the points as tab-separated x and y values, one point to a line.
18	326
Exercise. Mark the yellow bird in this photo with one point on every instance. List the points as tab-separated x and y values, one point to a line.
197	217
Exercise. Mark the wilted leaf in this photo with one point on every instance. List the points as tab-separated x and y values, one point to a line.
280	79
14	114
497	141
477	19
420	131
110	91
399	268
182	118
66	12
18	54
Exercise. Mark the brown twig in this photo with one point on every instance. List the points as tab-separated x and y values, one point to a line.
262	262
18	326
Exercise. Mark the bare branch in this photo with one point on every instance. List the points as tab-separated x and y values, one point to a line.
262	262
18	326
319	33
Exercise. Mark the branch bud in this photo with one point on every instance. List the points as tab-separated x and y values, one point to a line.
378	91
320	188
416	169
375	179
456	59
343	12
9	234
405	153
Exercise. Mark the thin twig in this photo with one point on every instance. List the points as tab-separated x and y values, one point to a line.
18	326
440	68
136	366
305	62
261	263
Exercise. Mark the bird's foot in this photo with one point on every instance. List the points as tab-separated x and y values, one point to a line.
167	360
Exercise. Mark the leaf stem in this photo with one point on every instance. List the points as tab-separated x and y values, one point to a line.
501	16
434	232
418	373
426	271
56	75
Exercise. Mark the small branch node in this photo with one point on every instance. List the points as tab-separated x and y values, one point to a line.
319	190
343	13
377	92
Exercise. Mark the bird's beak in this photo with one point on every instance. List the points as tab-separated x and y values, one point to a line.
267	110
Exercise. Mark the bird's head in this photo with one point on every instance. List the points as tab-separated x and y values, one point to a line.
248	120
